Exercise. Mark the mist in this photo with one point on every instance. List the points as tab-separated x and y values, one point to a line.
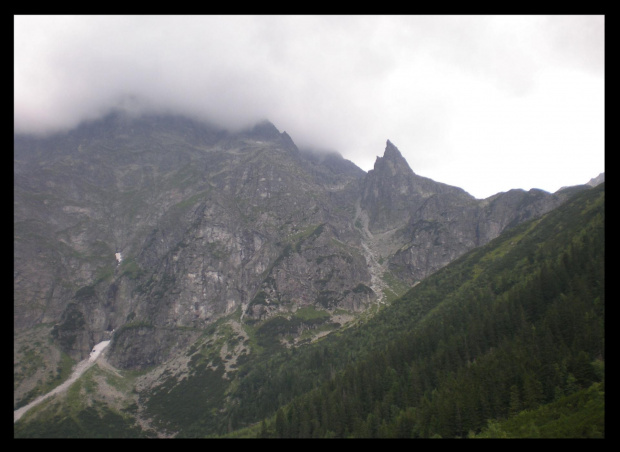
487	103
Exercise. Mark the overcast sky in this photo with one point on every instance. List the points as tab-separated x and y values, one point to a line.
486	103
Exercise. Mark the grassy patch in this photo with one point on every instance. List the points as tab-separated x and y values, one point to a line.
130	268
396	288
310	313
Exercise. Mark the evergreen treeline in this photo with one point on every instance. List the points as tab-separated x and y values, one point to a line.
578	415
506	329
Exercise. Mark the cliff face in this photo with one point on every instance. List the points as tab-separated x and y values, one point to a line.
392	192
210	223
446	226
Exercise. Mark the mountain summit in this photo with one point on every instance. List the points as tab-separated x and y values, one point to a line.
392	192
393	160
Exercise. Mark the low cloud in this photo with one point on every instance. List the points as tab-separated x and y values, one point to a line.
346	83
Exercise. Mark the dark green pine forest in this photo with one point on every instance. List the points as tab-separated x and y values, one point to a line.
507	341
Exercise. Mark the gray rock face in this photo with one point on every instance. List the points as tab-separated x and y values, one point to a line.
448	225
211	223
597	180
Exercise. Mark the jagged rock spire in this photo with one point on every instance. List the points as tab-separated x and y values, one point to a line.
391	149
393	161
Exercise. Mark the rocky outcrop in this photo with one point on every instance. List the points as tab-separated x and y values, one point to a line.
596	180
138	345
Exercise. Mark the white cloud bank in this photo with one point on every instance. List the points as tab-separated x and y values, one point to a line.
486	103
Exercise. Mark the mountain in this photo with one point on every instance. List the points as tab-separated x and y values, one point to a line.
192	247
505	342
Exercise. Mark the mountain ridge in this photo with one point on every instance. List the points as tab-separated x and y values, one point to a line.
210	223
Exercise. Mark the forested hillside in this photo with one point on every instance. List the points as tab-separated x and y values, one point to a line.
509	330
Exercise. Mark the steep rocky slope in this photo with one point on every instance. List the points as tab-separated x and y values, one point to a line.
207	223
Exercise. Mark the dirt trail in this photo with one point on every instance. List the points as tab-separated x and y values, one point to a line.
80	368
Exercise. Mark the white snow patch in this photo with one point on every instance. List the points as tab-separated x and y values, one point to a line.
97	350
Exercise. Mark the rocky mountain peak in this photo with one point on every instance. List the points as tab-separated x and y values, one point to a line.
391	150
265	129
392	161
390	190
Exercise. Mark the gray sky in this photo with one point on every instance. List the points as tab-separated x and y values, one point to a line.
486	103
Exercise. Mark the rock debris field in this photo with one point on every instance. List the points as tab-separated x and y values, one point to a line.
80	368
